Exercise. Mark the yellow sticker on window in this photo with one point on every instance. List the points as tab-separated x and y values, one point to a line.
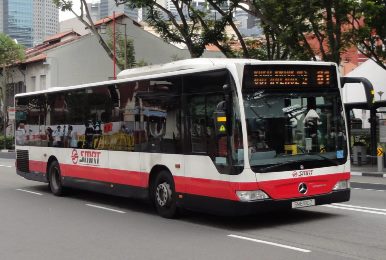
221	119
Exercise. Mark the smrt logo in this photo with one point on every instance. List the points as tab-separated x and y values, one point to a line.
74	156
302	173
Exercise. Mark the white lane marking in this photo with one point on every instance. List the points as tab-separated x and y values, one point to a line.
367	189
355	209
270	243
358	207
8	166
367	182
100	207
32	192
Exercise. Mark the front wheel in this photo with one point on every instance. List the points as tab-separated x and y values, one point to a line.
55	179
164	195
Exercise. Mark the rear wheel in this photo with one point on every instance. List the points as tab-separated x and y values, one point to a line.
55	179
164	195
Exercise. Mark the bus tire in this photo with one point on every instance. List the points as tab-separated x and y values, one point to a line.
164	195
55	179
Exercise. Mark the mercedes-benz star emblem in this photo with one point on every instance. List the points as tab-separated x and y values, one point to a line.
302	188
301	167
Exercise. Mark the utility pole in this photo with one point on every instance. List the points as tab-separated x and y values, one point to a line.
114	49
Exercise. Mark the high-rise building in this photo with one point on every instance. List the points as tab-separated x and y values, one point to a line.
94	8
29	21
107	7
46	20
2	16
18	20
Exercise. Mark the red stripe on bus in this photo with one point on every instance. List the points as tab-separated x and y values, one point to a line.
289	188
37	166
132	178
207	187
276	189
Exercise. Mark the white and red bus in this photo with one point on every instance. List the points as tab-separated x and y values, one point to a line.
228	136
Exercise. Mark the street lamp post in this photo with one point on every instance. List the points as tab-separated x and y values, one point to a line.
380	93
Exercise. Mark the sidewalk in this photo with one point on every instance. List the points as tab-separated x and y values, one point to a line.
5	154
367	170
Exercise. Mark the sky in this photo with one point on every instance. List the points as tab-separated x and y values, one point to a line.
67	15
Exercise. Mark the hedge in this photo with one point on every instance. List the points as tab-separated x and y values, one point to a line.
10	143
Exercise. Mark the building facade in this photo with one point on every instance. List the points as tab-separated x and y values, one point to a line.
29	21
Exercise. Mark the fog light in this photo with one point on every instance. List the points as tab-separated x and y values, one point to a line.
342	185
251	195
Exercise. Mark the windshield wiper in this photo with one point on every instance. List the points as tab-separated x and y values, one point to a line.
276	166
325	157
318	154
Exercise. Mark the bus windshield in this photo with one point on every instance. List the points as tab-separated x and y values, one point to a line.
295	119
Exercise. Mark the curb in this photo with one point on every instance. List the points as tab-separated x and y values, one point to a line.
369	174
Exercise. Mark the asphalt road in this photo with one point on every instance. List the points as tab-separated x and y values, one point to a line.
34	224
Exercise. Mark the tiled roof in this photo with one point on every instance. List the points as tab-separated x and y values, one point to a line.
37	53
60	35
39	57
108	19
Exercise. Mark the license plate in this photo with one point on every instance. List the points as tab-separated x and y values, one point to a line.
303	203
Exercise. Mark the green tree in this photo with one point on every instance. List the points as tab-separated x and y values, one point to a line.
368	29
124	49
289	25
10	53
188	25
183	26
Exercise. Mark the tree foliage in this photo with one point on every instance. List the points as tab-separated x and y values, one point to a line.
10	51
10	54
127	60
186	25
303	29
297	29
368	29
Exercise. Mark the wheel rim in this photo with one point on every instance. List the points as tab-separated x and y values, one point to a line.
163	194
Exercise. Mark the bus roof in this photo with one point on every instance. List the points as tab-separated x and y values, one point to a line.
200	63
175	67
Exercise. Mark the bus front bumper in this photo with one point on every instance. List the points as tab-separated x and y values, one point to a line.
237	208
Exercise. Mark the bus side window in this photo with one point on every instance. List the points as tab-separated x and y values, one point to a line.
159	106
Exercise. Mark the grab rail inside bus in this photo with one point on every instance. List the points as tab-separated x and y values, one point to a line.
369	89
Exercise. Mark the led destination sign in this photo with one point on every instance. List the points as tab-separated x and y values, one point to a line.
287	76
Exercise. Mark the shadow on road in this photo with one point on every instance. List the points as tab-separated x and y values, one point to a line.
264	220
260	221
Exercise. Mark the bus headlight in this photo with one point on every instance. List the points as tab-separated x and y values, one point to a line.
251	195
342	185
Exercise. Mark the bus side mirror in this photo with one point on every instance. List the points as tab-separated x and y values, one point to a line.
368	86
